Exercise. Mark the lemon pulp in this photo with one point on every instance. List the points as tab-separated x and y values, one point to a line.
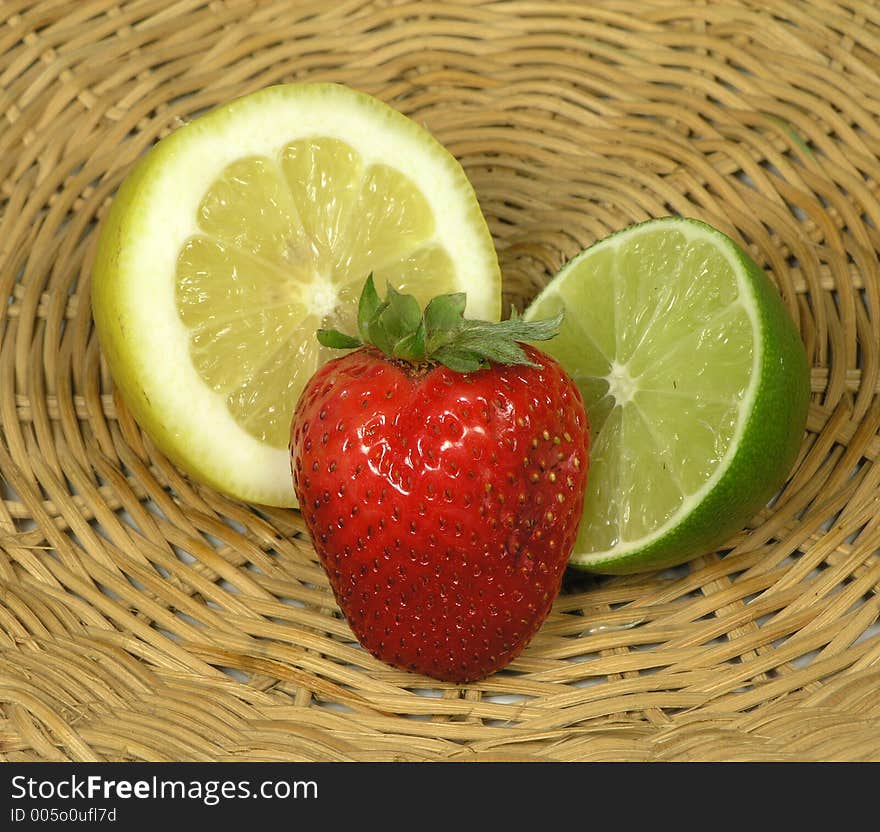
283	247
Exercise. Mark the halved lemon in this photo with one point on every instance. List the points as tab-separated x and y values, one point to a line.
696	383
239	235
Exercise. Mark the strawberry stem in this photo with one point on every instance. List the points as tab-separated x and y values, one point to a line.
441	334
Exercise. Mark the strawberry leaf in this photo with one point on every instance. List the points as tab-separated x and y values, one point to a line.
401	316
441	334
412	347
445	313
337	340
369	306
458	359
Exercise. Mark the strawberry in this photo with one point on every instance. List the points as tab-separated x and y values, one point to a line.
440	469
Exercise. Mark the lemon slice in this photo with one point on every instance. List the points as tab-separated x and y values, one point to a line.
696	383
239	235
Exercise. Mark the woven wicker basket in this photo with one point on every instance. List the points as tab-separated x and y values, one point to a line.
143	617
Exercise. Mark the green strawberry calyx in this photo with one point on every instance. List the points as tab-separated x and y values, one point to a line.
440	334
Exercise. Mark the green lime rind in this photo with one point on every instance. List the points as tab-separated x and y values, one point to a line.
758	465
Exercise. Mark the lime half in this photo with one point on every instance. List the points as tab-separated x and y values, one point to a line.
696	383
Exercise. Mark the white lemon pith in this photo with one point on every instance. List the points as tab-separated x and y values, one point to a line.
245	231
677	342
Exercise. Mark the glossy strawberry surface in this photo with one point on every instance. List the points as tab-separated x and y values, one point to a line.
442	505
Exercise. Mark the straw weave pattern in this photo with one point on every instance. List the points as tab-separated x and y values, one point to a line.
143	617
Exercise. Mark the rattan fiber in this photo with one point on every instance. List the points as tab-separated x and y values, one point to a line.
143	617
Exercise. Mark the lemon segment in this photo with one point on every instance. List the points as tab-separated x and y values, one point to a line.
696	384
239	235
323	177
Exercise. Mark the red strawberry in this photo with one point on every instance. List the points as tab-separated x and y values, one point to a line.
440	468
